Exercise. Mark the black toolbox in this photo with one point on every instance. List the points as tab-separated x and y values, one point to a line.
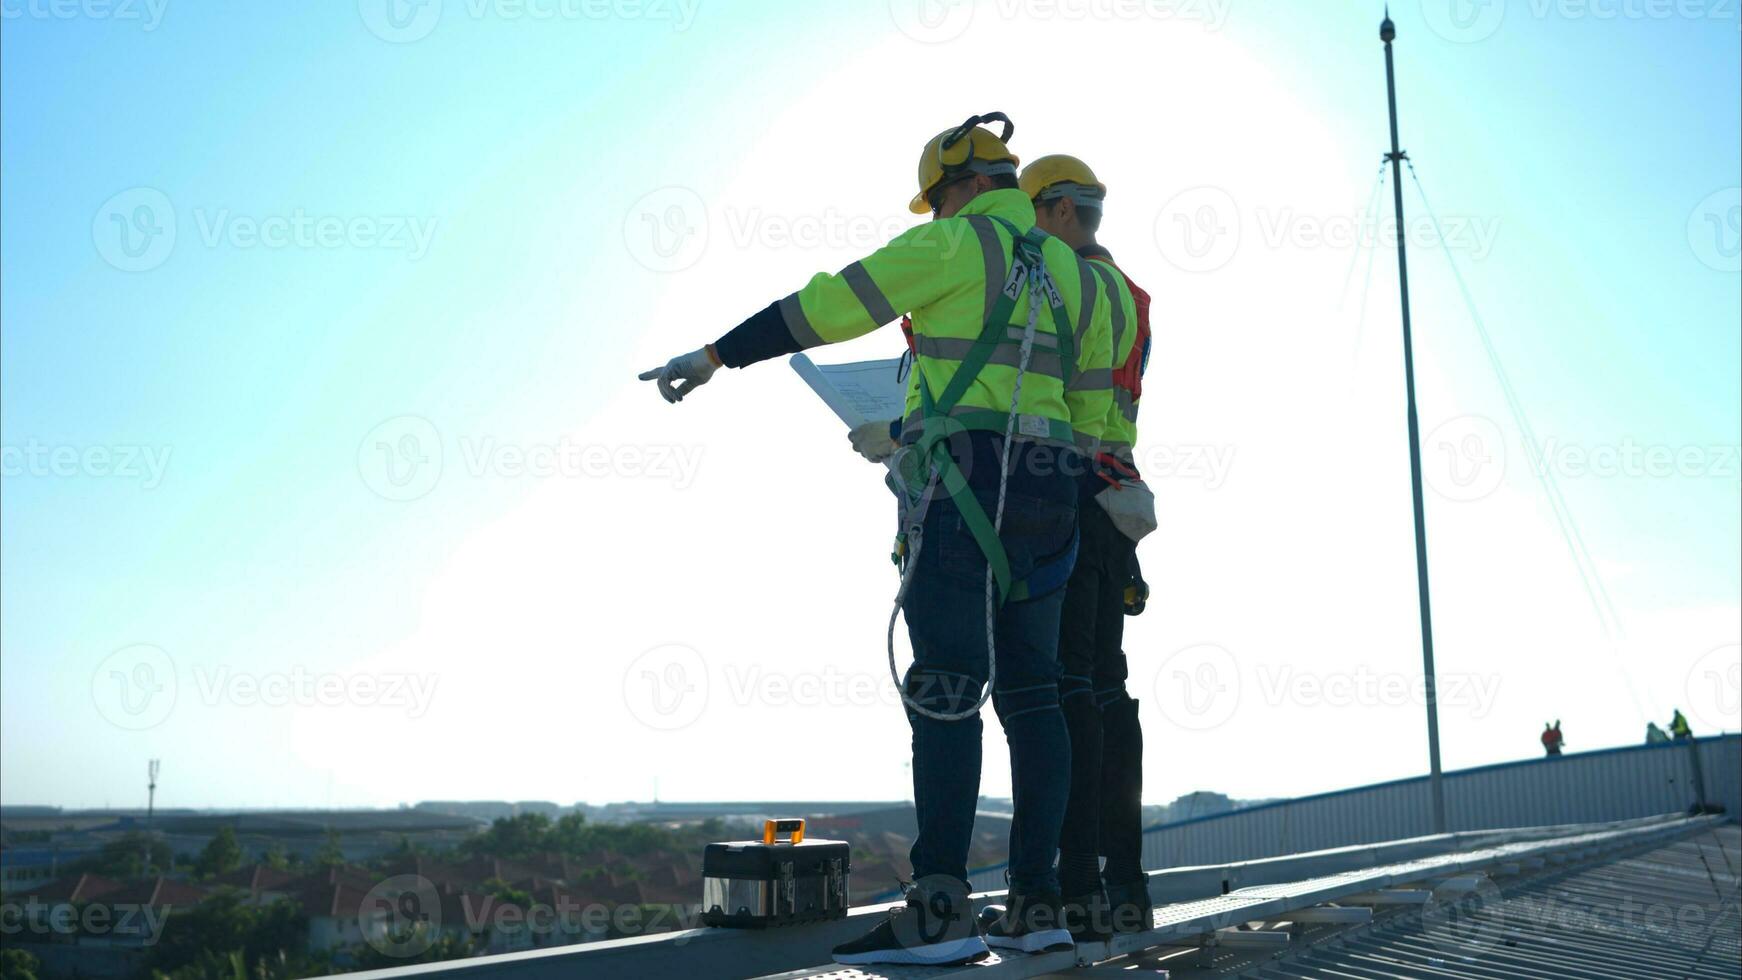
778	880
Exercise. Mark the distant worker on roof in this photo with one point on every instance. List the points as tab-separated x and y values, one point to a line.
1551	737
1678	726
1013	345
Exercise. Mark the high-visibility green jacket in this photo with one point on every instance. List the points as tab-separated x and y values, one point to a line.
948	275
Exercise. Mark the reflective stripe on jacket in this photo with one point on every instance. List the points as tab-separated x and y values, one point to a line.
1131	345
947	275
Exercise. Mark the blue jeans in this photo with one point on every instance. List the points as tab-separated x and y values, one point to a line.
946	620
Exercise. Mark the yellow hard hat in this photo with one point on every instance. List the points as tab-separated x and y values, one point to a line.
968	148
1064	176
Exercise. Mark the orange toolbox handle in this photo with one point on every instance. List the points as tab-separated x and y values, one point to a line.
793	827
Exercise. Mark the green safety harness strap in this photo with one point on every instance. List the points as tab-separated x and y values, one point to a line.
938	423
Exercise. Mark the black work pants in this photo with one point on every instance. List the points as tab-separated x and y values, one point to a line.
1104	814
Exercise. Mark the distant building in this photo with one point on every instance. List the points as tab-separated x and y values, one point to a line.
488	810
746	810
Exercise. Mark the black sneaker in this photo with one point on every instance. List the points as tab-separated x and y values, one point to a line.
1032	922
935	928
1131	910
1088	917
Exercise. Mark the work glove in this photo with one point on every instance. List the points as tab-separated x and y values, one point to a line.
871	440
694	369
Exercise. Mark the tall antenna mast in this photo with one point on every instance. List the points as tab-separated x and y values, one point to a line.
151	791
1388	31
150	810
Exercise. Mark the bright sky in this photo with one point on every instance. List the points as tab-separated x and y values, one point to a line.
327	479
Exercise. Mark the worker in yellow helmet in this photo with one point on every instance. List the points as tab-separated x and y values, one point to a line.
1679	727
1011	334
1104	816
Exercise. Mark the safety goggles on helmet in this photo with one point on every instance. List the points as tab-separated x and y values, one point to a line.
1083	195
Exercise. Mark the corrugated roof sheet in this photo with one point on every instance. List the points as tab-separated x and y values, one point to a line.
1672	911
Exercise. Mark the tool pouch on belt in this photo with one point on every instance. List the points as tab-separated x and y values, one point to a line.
1130	504
1128	501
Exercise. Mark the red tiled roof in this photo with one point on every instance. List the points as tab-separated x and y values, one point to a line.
433	871
480	869
256	878
612	891
325	898
157	892
329	877
461	909
78	888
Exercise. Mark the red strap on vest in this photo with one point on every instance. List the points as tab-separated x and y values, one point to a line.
1129	375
